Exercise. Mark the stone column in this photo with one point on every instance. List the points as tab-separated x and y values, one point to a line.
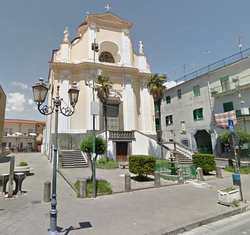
82	188
127	182
218	171
200	174
157	179
46	191
180	176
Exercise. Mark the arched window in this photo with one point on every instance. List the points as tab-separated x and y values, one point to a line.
106	57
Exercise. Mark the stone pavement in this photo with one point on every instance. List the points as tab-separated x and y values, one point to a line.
165	210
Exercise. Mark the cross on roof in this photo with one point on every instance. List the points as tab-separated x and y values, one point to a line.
107	7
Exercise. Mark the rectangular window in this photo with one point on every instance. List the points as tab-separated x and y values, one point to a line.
168	100
10	130
169	119
196	90
198	113
30	130
179	93
225	85
228	106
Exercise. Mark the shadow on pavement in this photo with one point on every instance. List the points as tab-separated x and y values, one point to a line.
71	228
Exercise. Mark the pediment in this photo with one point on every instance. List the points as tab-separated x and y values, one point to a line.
109	18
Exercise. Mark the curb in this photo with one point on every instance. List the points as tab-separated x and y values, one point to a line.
202	222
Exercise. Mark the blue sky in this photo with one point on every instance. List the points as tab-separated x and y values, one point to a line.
174	33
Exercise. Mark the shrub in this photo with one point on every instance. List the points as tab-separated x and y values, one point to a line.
23	164
101	161
204	161
142	165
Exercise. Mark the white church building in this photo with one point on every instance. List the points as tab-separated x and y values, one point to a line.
130	108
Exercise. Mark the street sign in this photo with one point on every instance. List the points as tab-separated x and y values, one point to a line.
231	125
236	139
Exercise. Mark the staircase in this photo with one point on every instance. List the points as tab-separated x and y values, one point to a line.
181	158
73	159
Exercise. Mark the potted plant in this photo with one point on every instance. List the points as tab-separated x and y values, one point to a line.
23	167
228	195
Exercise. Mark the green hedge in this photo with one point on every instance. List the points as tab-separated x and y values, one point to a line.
204	161
142	165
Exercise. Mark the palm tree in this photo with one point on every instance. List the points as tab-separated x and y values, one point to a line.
103	93
157	89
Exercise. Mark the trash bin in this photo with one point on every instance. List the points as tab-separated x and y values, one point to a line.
236	179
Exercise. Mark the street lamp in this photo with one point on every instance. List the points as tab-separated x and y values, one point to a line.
39	93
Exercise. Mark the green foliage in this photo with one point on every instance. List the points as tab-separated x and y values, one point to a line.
235	203
102	162
23	164
243	135
228	189
142	165
87	145
162	161
243	170
204	161
102	187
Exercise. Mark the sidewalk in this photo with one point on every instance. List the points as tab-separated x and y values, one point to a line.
154	211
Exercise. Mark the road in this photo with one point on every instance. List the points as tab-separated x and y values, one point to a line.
235	225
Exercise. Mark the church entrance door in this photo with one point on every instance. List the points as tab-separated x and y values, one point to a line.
121	151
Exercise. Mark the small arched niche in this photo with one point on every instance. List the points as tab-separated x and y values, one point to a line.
109	52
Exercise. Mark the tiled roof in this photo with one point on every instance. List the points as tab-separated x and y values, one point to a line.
23	121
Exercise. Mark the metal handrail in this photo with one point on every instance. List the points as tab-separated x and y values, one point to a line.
217	65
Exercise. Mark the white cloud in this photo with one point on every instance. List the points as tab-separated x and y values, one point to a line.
15	102
30	101
22	85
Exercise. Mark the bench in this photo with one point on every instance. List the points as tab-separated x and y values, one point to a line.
123	164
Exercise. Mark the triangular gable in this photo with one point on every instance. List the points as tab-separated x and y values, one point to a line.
108	18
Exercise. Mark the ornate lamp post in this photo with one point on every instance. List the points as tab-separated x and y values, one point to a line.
39	92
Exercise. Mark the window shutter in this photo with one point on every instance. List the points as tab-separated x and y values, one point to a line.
195	114
200	113
171	119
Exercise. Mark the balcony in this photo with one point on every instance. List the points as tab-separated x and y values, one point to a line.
122	135
227	89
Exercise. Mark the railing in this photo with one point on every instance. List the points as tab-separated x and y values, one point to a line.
121	135
219	64
169	171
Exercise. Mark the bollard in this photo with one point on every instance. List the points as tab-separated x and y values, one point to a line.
11	176
180	176
218	171
127	182
46	191
200	174
82	188
157	179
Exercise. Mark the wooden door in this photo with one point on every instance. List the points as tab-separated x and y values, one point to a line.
121	151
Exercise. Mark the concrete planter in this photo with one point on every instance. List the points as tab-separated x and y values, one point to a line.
23	169
227	198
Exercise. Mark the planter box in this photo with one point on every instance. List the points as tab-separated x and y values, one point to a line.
23	169
227	198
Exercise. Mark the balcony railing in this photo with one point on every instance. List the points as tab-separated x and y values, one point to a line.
217	65
121	135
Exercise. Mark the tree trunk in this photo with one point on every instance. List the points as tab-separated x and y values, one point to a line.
105	115
159	105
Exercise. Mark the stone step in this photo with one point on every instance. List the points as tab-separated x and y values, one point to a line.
73	159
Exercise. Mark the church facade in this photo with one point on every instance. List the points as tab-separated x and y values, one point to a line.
130	106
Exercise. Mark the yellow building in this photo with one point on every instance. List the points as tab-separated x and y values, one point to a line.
130	106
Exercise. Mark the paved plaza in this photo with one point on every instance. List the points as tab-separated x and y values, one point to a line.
145	210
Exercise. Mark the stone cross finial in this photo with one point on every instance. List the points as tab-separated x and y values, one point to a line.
107	7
